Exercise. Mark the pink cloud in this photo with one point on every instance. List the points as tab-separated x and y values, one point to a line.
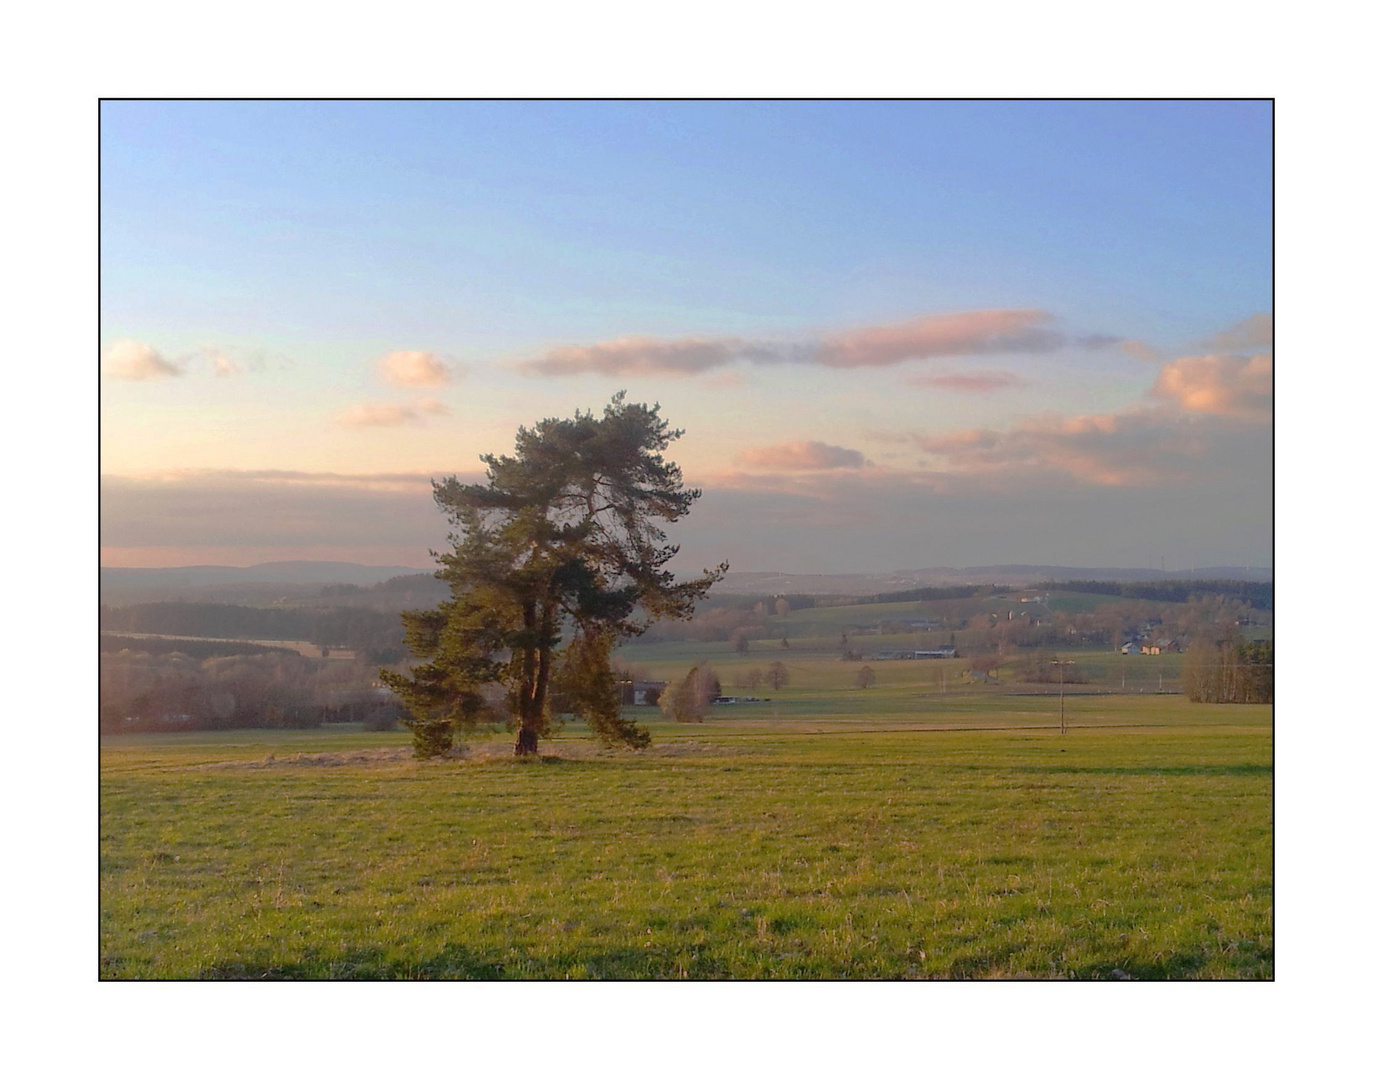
1137	448
802	455
968	333
1219	385
414	369
965	334
975	382
956	443
224	365
644	356
377	415
134	360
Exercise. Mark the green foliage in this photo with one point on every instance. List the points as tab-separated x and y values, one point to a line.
564	534
585	685
431	738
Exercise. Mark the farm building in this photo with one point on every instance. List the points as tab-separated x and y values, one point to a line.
641	692
944	652
1169	646
1129	649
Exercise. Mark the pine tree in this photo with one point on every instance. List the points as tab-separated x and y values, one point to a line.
563	540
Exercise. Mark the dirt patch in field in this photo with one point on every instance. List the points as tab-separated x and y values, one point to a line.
384	756
584	751
480	754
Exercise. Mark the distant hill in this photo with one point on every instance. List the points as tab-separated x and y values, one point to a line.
132	585
1014	574
299	580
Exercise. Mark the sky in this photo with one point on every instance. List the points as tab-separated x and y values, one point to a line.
897	334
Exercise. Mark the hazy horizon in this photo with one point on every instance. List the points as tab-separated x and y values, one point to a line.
751	571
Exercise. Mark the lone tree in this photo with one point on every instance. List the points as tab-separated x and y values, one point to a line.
688	700
562	542
751	679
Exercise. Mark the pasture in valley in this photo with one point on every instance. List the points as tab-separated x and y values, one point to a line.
890	832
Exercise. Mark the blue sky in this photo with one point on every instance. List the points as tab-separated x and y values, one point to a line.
293	247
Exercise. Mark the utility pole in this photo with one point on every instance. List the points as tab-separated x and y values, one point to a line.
1062	713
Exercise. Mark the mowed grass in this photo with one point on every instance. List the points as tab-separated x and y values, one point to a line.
807	847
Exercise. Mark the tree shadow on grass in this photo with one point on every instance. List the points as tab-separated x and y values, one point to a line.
456	962
1180	965
1160	770
452	962
1190	965
1128	770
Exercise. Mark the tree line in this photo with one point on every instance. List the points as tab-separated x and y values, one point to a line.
200	650
1257	594
377	635
142	691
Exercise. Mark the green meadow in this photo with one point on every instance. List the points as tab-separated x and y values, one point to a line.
912	830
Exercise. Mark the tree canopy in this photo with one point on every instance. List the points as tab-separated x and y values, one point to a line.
557	558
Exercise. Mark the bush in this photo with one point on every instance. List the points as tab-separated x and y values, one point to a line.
432	738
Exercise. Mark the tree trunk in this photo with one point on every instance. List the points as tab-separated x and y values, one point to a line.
538	669
527	744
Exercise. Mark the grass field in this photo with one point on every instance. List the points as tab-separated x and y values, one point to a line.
833	833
